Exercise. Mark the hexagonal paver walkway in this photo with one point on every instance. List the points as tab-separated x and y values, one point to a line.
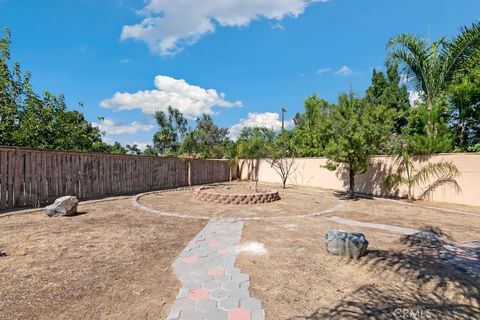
213	288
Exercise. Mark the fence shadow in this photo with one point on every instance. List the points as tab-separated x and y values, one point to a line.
433	288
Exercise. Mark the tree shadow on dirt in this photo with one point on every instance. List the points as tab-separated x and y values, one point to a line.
429	287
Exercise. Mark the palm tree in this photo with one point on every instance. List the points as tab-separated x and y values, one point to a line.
444	173
432	66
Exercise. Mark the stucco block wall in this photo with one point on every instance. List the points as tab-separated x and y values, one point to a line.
312	172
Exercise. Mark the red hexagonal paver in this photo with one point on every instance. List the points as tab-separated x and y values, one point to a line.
239	314
198	294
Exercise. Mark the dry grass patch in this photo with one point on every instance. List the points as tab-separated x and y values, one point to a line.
298	279
110	262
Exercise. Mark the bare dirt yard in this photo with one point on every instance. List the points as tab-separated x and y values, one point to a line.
293	202
113	260
109	262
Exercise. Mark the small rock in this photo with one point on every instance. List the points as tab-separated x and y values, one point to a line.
64	206
352	245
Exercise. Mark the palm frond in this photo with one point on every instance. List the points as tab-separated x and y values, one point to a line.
458	51
438	183
411	53
443	169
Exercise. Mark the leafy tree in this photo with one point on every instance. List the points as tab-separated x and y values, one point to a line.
209	137
230	152
253	145
464	107
388	91
190	145
150	151
39	121
11	91
444	173
133	149
433	66
358	131
312	128
116	147
427	130
173	127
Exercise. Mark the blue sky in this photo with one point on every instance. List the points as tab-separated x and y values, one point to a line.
125	59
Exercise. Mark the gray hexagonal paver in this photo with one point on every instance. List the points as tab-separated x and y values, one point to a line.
228	303
211	285
250	303
218	294
230	285
238	293
206	304
213	295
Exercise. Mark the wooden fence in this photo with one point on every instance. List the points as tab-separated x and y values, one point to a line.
30	177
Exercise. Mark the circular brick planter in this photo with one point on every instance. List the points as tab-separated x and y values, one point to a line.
207	194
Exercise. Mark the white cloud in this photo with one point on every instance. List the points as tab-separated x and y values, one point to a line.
169	25
344	71
140	145
269	120
324	70
191	100
415	98
111	127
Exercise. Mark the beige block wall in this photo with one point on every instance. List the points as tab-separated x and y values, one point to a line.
312	172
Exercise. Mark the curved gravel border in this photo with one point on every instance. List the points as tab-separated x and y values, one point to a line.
135	202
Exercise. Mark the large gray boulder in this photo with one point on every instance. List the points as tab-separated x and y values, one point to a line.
352	245
64	206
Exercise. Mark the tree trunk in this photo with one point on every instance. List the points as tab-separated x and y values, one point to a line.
429	103
351	191
462	135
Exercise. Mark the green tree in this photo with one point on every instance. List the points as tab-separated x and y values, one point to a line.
464	106
312	128
173	127
163	140
427	131
433	66
209	137
150	151
39	121
253	145
133	149
116	147
358	131
388	91
190	145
